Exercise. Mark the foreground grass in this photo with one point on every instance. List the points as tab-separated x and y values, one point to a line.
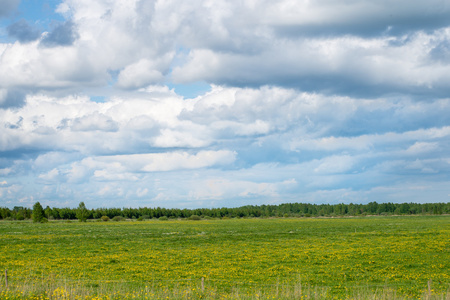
357	258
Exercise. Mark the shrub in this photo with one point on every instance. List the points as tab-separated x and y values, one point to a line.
195	218
118	218
163	218
105	218
44	220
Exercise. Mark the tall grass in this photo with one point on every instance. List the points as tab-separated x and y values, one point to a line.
57	289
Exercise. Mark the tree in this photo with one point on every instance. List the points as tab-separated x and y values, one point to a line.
38	213
48	212
82	212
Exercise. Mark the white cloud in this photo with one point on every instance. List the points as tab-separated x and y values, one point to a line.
335	164
132	167
111	190
346	62
229	188
249	43
50	176
169	161
339	100
51	160
9	192
141	192
422	147
95	121
5	171
368	142
32	67
105	175
140	74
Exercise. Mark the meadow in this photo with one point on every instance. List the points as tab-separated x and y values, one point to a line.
280	258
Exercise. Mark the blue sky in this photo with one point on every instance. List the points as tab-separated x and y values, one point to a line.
223	103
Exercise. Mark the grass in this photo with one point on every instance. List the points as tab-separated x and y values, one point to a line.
356	258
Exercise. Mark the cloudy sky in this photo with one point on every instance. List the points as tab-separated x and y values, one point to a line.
211	103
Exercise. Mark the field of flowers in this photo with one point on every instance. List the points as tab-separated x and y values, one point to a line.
390	257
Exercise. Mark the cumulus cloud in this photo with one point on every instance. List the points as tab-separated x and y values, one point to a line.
51	160
441	52
63	34
105	166
173	161
11	98
319	101
349	48
345	65
23	31
95	121
422	147
50	176
364	18
335	164
31	68
138	75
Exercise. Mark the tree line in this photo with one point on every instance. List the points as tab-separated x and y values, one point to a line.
40	214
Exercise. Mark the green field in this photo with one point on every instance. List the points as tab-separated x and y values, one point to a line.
322	258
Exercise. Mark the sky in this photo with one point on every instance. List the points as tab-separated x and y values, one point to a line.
213	103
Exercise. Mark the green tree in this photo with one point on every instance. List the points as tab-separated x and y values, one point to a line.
20	216
82	212
38	212
48	212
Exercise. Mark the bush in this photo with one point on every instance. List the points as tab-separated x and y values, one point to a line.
143	218
105	218
118	218
195	218
163	218
44	220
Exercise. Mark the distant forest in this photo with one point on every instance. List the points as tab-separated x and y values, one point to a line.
249	211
